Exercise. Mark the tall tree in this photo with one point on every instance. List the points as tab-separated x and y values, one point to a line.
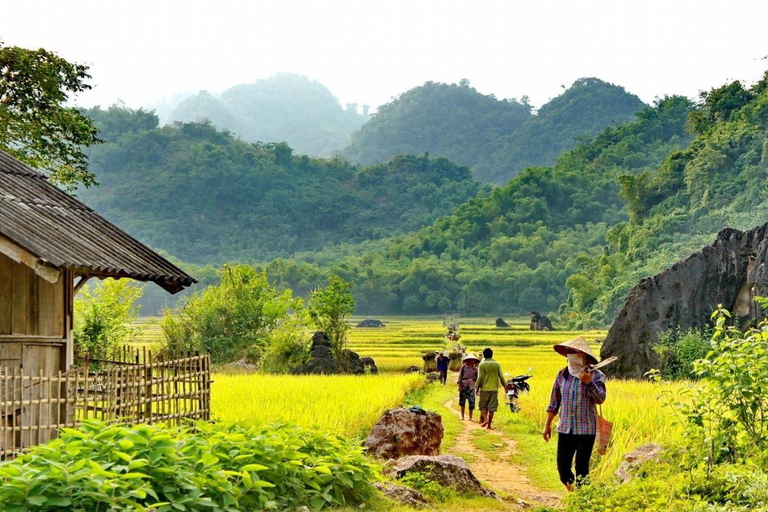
36	126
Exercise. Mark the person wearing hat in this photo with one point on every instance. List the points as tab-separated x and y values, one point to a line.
576	392
467	380
489	378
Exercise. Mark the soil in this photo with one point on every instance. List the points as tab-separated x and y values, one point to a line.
498	469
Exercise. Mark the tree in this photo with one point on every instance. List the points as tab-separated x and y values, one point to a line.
37	127
329	309
103	317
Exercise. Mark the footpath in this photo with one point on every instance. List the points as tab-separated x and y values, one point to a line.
495	467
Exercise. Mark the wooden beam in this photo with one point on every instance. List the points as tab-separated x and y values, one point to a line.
21	255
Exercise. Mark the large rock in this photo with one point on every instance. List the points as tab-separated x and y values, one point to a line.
401	494
729	272
540	322
500	323
371	322
369	365
633	461
322	361
446	470
400	432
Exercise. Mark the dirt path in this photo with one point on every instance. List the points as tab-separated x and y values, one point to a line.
497	470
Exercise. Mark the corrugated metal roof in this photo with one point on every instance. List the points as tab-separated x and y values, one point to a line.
57	228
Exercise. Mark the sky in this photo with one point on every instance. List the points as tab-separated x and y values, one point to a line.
368	52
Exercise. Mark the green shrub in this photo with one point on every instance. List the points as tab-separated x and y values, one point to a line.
231	319
103	317
212	467
679	349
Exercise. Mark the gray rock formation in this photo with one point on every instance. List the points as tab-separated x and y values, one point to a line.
321	361
540	322
369	365
501	324
729	272
400	432
401	494
634	460
371	322
446	470
412	369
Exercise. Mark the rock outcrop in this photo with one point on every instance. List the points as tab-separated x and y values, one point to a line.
401	494
501	324
731	272
634	460
446	470
540	322
321	358
400	432
371	322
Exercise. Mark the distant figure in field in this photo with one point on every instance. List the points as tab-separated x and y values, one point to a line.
467	381
442	366
489	378
576	393
540	322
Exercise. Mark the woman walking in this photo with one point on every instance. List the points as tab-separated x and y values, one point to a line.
467	380
575	394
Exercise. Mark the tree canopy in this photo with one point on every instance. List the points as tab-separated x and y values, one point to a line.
37	126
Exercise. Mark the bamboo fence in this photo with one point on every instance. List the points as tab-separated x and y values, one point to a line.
132	388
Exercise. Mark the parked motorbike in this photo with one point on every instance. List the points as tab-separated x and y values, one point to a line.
516	386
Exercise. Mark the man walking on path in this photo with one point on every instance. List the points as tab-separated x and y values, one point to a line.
488	381
442	367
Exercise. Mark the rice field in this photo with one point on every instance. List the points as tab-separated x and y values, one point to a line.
349	405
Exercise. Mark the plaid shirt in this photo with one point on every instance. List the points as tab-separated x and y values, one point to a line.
576	402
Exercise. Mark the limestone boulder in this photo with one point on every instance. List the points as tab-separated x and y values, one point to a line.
501	324
634	460
369	365
371	322
731	271
446	470
401	432
401	494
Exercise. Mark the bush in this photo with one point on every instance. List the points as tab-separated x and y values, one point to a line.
329	309
679	349
100	467
288	347
232	319
103	317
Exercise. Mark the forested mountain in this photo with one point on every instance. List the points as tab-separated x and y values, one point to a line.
513	250
284	108
206	197
584	110
497	138
454	121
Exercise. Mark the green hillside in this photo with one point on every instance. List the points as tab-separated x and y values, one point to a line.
284	108
513	250
496	138
206	197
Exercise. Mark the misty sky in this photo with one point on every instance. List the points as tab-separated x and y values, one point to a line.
367	52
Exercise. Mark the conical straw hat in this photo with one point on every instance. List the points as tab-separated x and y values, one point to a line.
576	345
471	356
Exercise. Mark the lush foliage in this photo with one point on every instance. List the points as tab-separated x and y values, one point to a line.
104	316
679	349
513	250
497	138
234	319
284	108
329	308
37	126
206	197
211	467
716	181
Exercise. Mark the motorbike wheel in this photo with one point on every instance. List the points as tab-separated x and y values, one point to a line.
513	407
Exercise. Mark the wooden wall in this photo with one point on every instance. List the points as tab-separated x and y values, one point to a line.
33	319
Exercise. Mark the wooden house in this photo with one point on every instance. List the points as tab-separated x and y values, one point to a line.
50	245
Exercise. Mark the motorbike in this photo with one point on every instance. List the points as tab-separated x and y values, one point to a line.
516	386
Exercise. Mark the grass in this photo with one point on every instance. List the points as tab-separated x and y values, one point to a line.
350	405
